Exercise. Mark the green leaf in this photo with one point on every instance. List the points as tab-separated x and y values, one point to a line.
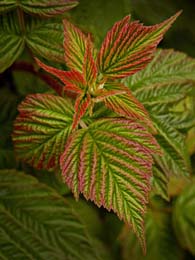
34	35
167	66
175	159
37	33
41	129
161	242
39	7
180	120
7	5
37	223
110	162
164	93
165	82
12	44
183	218
129	46
89	215
160	183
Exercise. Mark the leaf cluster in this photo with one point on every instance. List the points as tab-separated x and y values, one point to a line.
112	125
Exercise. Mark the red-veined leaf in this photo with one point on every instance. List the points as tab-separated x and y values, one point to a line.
110	162
81	104
129	46
102	94
41	129
126	104
89	66
73	79
75	45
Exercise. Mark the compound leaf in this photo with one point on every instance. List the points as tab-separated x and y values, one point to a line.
41	129
37	223
110	162
183	218
129	46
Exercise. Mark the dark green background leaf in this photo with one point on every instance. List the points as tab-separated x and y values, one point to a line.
37	223
161	242
11	41
39	7
183	218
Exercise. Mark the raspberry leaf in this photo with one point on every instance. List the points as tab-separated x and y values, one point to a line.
129	46
110	162
41	129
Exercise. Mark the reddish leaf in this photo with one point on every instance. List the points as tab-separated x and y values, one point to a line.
81	105
103	94
75	45
129	46
126	104
89	66
41	129
73	79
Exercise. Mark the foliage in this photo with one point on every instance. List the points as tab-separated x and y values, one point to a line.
24	207
111	124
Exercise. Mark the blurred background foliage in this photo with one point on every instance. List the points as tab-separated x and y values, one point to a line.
98	16
167	222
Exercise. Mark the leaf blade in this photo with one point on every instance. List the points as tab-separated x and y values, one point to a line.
40	8
126	104
175	159
73	79
11	41
37	31
41	129
34	214
129	46
183	218
167	66
90	165
75	45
